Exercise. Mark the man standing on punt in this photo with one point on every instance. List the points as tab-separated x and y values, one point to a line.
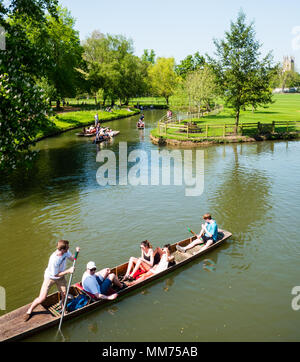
54	274
208	235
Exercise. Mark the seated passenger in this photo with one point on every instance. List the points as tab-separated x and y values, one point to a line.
100	282
166	261
145	262
208	235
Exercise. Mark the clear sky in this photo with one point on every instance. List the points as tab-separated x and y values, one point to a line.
176	28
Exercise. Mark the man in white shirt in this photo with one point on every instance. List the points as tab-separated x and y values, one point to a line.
99	283
54	274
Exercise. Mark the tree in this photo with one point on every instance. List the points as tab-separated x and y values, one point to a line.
65	52
201	87
22	103
243	78
113	68
190	64
148	56
163	78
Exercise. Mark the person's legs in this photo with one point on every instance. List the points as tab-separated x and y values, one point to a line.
189	246
113	278
62	288
207	245
43	295
140	264
132	262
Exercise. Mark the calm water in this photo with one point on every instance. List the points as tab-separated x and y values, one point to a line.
239	292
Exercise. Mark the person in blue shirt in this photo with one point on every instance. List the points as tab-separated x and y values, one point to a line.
208	235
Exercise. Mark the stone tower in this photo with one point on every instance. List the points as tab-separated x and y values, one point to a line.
288	64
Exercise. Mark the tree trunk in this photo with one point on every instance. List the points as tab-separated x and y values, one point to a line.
167	100
237	120
57	103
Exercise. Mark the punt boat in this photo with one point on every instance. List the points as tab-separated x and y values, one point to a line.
13	327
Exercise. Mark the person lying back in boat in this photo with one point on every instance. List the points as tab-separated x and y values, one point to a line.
54	274
145	262
98	283
208	235
165	262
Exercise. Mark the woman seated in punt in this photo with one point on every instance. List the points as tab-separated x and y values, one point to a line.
145	262
166	261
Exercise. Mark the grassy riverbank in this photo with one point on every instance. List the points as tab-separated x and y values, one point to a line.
63	122
285	111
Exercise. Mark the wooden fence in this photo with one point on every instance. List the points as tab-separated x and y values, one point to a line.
197	130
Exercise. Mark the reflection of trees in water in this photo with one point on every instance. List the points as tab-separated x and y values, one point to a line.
55	171
241	200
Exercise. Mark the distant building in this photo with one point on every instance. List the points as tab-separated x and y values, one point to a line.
288	64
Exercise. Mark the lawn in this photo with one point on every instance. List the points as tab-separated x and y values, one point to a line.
286	108
69	120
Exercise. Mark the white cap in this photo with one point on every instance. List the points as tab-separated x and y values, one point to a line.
91	265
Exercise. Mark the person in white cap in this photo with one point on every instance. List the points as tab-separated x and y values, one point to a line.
100	282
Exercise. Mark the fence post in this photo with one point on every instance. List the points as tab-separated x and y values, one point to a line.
273	127
224	130
187	131
287	127
206	130
166	126
241	128
258	127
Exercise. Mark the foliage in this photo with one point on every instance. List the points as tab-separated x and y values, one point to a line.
22	103
190	64
243	78
113	68
200	87
148	56
163	78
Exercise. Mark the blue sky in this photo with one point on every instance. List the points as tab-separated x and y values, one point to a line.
176	28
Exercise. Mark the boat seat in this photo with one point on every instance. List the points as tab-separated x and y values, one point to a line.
90	295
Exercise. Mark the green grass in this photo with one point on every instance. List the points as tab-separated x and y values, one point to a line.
69	120
286	108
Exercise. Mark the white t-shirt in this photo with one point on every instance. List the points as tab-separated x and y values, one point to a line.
162	265
56	265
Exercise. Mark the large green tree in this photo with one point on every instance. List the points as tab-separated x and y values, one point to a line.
242	75
190	64
163	78
113	68
22	103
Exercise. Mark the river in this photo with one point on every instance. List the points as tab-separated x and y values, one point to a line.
241	291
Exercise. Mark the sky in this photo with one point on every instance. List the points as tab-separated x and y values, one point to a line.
174	28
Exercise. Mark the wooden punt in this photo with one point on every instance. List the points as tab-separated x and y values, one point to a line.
81	134
13	327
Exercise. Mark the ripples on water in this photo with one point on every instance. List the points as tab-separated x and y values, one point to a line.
250	189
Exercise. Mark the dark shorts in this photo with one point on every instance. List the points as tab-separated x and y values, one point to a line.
206	239
105	284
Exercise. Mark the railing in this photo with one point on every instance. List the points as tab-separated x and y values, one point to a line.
194	131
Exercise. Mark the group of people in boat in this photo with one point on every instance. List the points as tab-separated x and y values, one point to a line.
103	134
141	122
99	283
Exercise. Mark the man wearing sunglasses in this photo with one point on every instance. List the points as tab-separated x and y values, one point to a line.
99	283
